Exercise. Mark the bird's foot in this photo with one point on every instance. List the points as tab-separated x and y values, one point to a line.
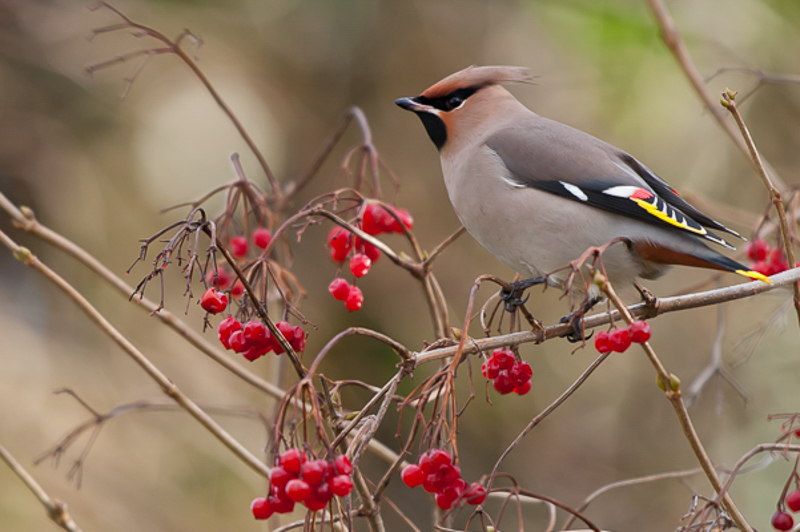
649	298
575	319
512	299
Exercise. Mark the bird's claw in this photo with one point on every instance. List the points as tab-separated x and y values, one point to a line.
512	299
575	319
578	333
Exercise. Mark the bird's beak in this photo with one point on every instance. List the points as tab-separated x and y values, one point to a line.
409	104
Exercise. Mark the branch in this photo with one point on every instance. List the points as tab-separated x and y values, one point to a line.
56	509
664	306
25	256
24	219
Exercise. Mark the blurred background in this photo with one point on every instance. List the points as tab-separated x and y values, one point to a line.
99	169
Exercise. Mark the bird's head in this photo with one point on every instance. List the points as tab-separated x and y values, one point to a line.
462	100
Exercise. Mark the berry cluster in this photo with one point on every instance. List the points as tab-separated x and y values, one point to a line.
341	242
783	520
619	340
254	340
312	483
214	300
352	295
437	474
507	373
766	259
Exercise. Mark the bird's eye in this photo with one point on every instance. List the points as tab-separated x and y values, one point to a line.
454	102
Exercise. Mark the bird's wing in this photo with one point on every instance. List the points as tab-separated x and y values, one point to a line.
561	160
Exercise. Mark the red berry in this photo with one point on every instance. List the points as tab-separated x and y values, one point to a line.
413	475
254	331
355	299
227	327
503	383
777	256
779	266
342	464
439	458
342	485
298	490
261	508
521	372
292	459
448	473
619	340
298	339
757	250
253	353
220	280
429	484
213	301
504	358
376	220
601	342
639	331
763	267
279	477
445	500
339	289
238	342
281	503
491	369
323	492
340	243
360	264
522	389
314	471
262	237
425	463
475	494
239	246
433	460
371	251
237	289
782	521
405	219
314	504
793	501
287	330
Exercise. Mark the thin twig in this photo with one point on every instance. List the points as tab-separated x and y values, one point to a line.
547	411
56	509
729	103
626	483
174	47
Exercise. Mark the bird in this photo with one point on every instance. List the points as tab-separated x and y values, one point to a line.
537	193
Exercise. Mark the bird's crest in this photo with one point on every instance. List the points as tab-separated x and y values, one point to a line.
475	77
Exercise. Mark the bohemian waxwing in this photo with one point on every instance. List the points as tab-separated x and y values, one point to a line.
537	193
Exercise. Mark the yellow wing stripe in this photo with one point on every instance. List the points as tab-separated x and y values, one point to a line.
754	275
655	211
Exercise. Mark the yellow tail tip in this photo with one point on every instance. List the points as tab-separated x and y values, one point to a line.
754	275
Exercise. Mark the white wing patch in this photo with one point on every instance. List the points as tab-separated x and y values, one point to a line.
575	191
621	191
